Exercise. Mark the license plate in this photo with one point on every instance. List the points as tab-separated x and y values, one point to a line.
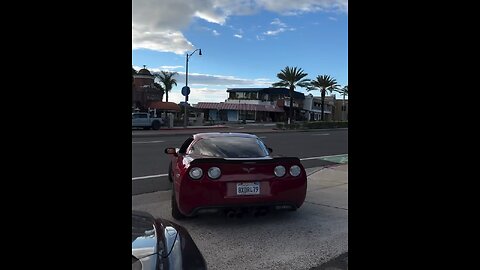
248	188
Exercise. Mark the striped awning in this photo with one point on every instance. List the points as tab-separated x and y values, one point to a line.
238	107
165	106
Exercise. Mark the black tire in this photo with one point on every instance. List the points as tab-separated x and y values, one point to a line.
156	125
175	212
170	173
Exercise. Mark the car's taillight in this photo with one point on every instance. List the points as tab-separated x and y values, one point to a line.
214	172
295	170
195	173
279	171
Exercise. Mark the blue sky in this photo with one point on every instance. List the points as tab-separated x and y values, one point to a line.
244	43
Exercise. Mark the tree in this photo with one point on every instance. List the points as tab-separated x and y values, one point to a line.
291	78
343	91
160	88
324	83
166	78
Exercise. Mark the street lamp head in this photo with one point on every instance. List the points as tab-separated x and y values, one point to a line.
200	52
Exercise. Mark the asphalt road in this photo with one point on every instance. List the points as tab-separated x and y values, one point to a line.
150	163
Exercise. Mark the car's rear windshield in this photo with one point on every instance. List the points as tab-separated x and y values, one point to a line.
230	147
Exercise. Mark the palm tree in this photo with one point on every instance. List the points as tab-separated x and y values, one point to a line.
291	77
160	88
343	91
324	83
166	78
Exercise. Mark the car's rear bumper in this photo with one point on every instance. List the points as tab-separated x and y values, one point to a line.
250	207
194	196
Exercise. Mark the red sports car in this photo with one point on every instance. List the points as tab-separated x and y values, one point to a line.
233	172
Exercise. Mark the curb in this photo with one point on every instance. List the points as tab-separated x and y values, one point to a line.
309	130
180	131
231	129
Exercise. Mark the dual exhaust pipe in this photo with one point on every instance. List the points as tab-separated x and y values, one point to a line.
257	212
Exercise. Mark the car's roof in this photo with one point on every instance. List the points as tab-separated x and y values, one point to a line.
223	134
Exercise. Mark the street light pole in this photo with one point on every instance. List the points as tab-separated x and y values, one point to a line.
185	117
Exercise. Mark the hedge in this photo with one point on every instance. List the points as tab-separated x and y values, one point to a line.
314	125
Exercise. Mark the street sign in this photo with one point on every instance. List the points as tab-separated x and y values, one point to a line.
185	91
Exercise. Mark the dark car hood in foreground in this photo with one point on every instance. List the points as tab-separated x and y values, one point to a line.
144	235
169	244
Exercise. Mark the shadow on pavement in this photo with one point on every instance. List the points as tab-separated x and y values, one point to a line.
338	263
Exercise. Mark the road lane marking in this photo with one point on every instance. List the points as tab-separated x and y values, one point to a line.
342	157
263	137
149	176
321	134
149	142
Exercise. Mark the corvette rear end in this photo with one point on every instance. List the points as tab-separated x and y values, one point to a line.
232	171
212	184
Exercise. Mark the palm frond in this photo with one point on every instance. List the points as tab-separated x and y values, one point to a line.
280	84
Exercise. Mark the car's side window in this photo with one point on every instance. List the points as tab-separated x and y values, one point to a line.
196	148
183	148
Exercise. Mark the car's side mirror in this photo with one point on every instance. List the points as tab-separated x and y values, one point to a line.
171	151
270	150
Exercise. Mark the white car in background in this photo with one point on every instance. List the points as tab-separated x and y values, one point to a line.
146	121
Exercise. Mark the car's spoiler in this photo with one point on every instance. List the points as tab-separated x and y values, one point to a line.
246	160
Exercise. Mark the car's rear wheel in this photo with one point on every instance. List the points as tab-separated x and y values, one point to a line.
170	173
156	125
175	211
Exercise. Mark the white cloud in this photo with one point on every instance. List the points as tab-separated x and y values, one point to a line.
275	32
278	31
285	7
171	67
208	79
211	16
215	33
199	94
222	80
277	21
157	25
282	28
156	70
164	41
332	18
238	36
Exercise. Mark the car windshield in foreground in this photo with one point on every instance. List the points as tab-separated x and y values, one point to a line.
230	147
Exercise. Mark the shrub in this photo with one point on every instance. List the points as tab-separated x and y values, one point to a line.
313	125
322	124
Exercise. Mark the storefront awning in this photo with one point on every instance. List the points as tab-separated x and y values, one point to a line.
238	107
164	106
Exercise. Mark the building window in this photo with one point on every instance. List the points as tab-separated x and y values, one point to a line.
244	95
250	115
